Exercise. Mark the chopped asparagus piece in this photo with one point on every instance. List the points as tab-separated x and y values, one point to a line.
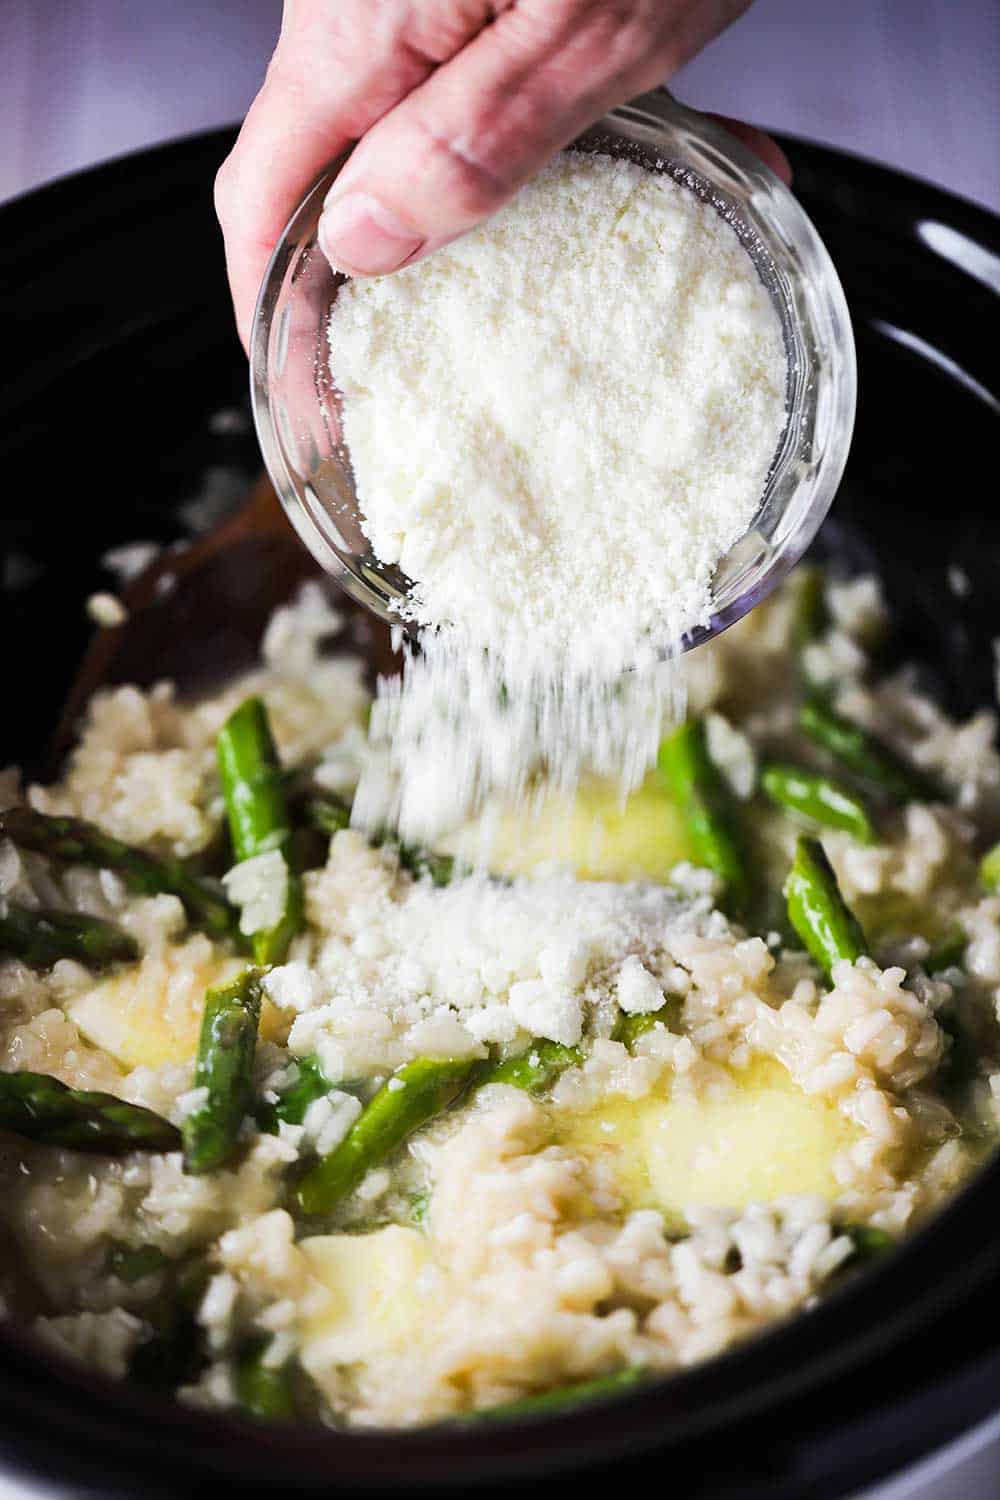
440	868
420	862
989	870
295	1100
822	800
224	1067
42	938
869	1243
262	1390
708	809
419	1204
549	1403
629	1029
415	1093
535	1071
72	841
818	912
254	789
40	1108
863	754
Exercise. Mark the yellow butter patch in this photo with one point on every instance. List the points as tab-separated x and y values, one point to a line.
151	1015
591	832
370	1300
756	1141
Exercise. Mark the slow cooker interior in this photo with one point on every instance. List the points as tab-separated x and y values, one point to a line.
119	350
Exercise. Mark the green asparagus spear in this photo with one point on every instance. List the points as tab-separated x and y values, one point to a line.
535	1071
550	1403
864	754
41	938
41	1108
72	841
989	870
818	798
254	789
818	912
415	1093
708	809
291	1107
264	1391
224	1067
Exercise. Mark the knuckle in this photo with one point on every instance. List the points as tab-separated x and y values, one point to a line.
474	182
222	191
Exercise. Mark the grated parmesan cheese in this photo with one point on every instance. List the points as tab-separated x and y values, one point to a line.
558	426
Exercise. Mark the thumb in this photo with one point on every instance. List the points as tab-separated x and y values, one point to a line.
461	144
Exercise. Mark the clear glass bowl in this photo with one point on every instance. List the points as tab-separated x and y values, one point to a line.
297	407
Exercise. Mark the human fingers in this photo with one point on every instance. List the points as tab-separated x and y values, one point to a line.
337	69
461	142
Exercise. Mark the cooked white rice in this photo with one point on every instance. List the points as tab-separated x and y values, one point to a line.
555	1245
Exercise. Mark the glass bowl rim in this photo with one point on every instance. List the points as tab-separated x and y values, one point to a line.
657	109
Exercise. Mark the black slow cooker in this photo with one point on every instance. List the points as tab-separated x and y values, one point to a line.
118	349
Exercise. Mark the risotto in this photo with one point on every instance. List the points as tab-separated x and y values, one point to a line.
582	1095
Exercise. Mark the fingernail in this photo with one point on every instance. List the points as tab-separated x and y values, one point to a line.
360	235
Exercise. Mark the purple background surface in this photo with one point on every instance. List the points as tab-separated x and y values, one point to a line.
910	82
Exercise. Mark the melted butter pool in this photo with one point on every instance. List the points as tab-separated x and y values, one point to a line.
590	832
758	1140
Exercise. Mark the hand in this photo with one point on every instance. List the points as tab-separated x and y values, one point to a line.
454	104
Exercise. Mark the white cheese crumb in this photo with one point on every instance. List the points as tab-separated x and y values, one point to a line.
494	1023
293	986
130	559
563	964
258	886
555	1014
442	1035
106	610
638	990
733	753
